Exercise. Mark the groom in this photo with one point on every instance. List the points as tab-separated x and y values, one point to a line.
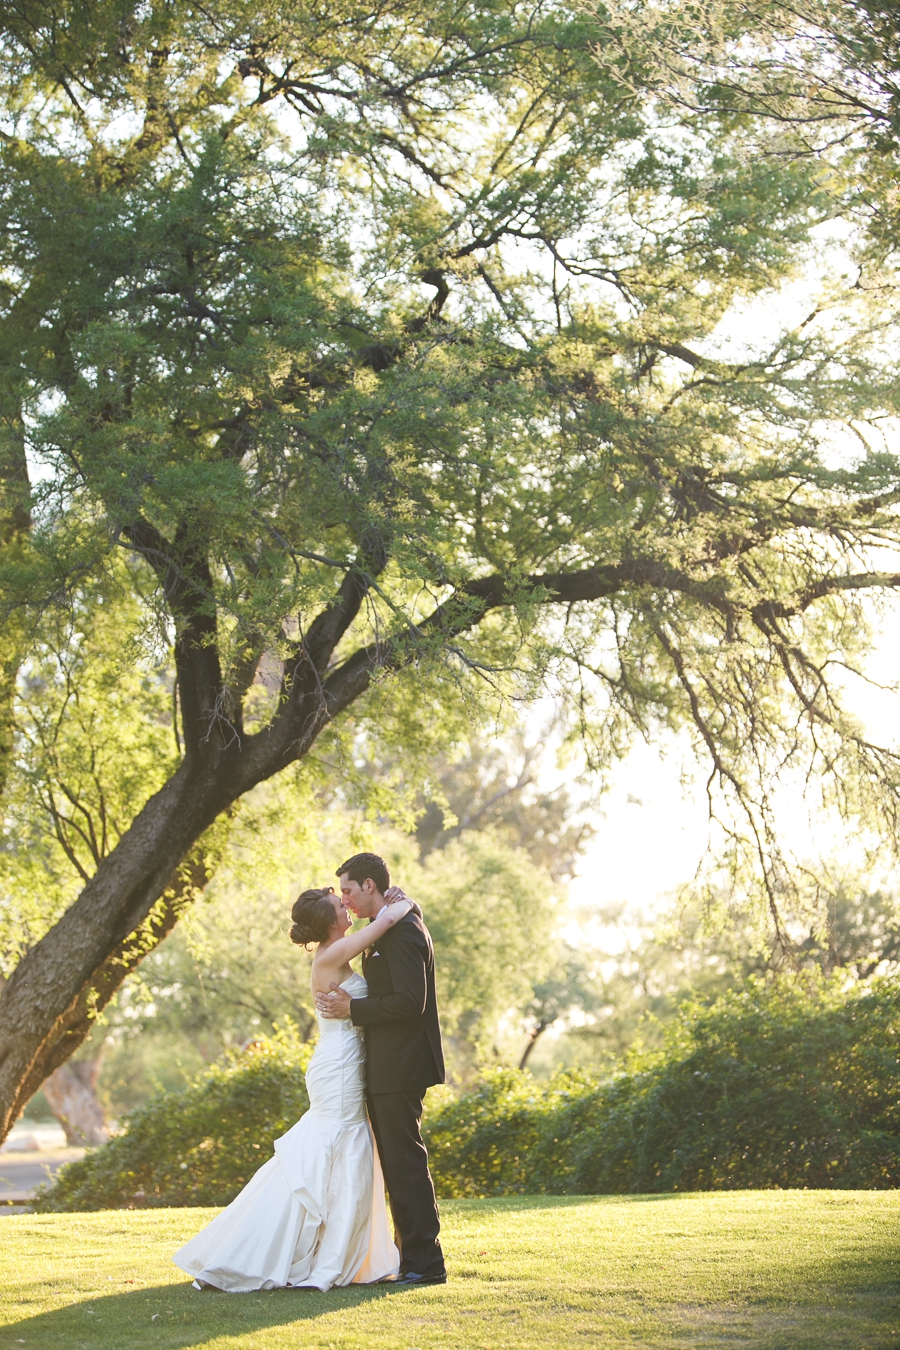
403	1058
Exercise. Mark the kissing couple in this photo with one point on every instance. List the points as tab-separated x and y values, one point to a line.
314	1215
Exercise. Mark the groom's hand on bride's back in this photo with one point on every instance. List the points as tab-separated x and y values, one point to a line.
335	1004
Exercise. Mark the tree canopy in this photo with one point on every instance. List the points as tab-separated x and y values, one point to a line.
386	342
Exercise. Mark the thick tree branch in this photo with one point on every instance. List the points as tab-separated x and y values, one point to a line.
187	584
473	601
859	581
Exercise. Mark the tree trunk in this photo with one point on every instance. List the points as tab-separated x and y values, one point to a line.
50	1002
52	998
15	522
71	1092
533	1040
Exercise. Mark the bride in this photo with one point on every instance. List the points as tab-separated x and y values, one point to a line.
314	1215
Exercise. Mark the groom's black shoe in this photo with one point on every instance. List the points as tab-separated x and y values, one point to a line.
410	1279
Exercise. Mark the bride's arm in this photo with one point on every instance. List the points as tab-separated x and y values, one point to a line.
344	950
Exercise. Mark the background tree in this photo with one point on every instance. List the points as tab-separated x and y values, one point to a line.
700	946
71	1092
383	343
501	785
94	721
572	986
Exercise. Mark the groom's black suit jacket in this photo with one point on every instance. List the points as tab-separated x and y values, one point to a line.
400	1016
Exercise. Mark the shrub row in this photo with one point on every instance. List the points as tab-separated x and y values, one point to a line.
779	1086
783	1085
198	1146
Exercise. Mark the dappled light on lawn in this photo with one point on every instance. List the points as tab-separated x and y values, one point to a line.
771	1270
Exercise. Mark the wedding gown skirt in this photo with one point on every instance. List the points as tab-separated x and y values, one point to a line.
315	1213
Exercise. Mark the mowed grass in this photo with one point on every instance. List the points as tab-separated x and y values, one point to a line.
762	1268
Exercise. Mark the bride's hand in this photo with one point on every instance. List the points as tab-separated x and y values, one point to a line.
398	909
394	893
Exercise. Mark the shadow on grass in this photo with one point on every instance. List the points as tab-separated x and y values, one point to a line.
516	1203
842	1302
176	1315
821	1290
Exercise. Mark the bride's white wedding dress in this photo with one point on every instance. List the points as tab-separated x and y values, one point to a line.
314	1214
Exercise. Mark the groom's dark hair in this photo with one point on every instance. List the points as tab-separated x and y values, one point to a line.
364	866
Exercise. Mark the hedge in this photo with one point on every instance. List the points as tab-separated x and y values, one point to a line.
787	1084
790	1084
198	1146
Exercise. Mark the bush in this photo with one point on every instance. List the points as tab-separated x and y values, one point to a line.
789	1084
784	1085
485	1142
198	1146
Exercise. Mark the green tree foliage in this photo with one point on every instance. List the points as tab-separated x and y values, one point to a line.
497	784
573	986
15	523
494	917
386	343
94	736
698	950
858	931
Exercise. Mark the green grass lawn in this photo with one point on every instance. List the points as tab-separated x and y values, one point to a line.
763	1268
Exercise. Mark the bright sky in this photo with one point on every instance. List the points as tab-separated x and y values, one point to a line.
652	830
651	836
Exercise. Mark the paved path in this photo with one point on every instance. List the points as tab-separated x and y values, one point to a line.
22	1173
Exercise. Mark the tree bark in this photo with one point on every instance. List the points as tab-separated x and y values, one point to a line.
533	1039
74	1025
50	1001
71	1091
52	998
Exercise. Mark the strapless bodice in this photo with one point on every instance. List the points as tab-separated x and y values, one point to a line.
336	1077
356	987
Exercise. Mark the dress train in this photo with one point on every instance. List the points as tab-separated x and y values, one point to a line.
315	1213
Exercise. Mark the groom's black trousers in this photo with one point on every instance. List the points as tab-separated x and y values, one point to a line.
396	1119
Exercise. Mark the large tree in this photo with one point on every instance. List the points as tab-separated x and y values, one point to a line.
382	340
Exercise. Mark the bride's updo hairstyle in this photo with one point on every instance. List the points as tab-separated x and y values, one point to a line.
312	914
